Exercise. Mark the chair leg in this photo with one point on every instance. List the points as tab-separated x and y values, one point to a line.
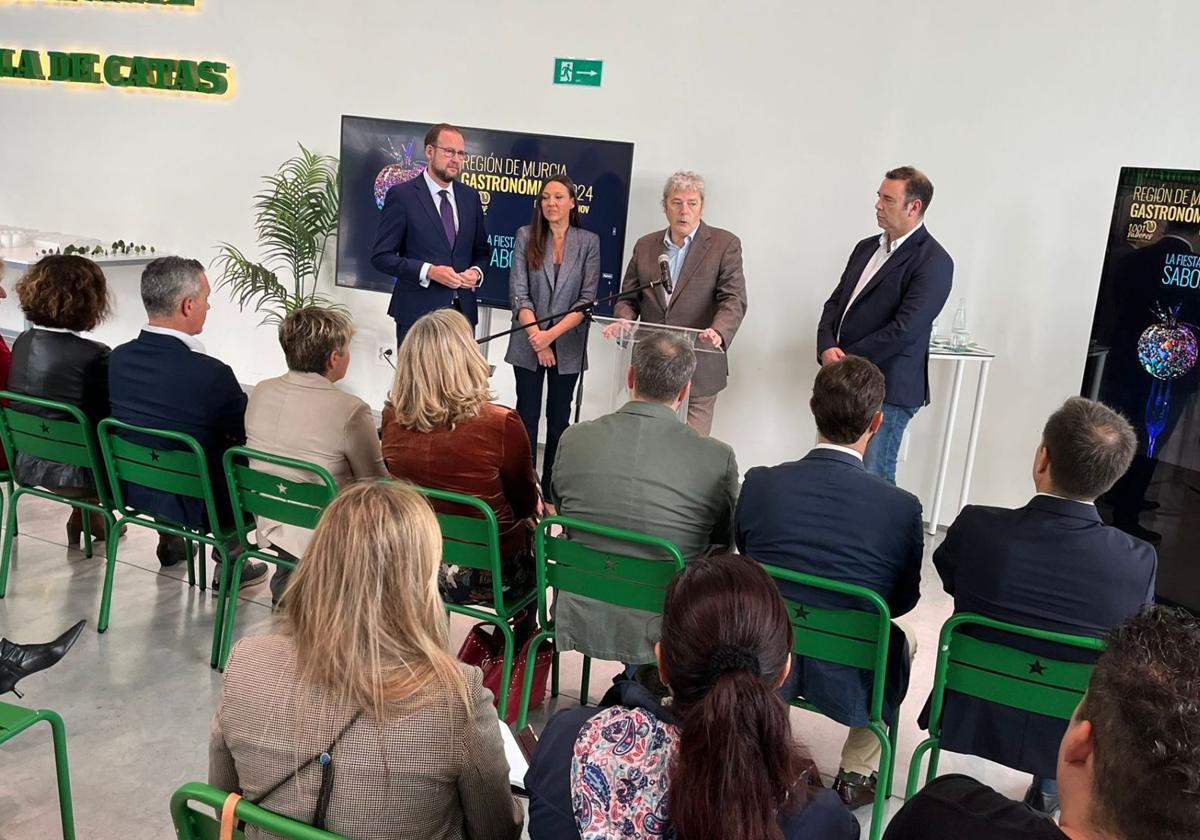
110	570
63	772
914	768
86	515
506	668
893	735
886	759
223	595
527	683
583	681
10	531
227	606
191	561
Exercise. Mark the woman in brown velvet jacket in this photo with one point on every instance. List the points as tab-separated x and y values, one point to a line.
441	430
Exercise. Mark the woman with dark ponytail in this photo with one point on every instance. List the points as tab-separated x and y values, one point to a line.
717	760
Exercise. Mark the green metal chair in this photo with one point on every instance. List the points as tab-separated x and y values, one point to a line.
856	638
68	440
1000	674
254	492
191	824
178	467
473	542
622	580
13	721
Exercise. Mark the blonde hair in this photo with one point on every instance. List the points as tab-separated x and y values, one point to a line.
364	608
441	377
309	336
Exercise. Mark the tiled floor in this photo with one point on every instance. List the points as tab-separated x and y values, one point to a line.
137	700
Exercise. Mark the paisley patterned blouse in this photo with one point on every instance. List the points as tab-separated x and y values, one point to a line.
619	778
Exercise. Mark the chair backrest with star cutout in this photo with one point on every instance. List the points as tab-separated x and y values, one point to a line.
1005	675
54	431
854	637
256	492
168	461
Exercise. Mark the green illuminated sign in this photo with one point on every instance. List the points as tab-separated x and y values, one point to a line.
167	74
578	71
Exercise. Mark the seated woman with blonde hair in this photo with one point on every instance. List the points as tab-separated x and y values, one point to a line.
441	430
362	678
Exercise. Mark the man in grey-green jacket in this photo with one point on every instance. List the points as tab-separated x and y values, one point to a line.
642	469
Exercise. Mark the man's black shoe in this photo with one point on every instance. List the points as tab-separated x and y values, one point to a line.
855	789
171	550
252	572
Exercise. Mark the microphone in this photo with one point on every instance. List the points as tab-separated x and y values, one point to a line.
664	271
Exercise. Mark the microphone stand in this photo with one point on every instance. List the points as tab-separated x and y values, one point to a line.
584	309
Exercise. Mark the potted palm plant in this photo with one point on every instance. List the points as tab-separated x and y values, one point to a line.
296	214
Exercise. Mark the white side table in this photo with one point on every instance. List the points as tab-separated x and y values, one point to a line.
975	355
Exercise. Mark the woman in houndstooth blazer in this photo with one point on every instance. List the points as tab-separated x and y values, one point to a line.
362	675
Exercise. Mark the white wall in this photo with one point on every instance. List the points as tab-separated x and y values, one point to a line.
1021	113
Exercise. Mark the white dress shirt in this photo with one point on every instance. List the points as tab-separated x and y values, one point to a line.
881	255
191	341
836	448
1065	499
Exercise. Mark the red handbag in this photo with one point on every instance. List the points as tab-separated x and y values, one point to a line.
484	648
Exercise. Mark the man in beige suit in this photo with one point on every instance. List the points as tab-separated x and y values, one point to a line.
302	415
708	287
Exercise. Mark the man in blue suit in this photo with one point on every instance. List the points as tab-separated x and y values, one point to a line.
432	237
825	515
1053	565
164	380
893	288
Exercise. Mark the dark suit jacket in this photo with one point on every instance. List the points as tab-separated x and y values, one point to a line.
1052	565
890	320
158	382
826	515
710	292
410	234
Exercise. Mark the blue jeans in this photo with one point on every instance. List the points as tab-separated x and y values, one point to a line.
880	458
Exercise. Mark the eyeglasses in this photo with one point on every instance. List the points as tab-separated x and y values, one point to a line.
461	154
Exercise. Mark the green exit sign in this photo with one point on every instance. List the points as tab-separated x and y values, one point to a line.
578	71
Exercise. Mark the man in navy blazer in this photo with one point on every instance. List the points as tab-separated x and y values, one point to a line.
432	238
893	288
1052	565
825	515
164	380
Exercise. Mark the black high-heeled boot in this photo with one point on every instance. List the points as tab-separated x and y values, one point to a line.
19	661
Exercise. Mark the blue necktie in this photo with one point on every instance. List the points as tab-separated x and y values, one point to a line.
447	217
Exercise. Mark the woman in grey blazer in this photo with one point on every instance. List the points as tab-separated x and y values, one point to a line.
556	266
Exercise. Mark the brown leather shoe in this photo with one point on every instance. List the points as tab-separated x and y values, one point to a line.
854	789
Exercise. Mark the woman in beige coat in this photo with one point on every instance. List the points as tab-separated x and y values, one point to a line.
362	675
302	415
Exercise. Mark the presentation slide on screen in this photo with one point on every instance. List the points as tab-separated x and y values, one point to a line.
1142	360
507	167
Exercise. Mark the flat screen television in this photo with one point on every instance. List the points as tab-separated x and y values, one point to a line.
1142	361
507	167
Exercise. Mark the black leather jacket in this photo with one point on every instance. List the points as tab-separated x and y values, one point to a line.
64	367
